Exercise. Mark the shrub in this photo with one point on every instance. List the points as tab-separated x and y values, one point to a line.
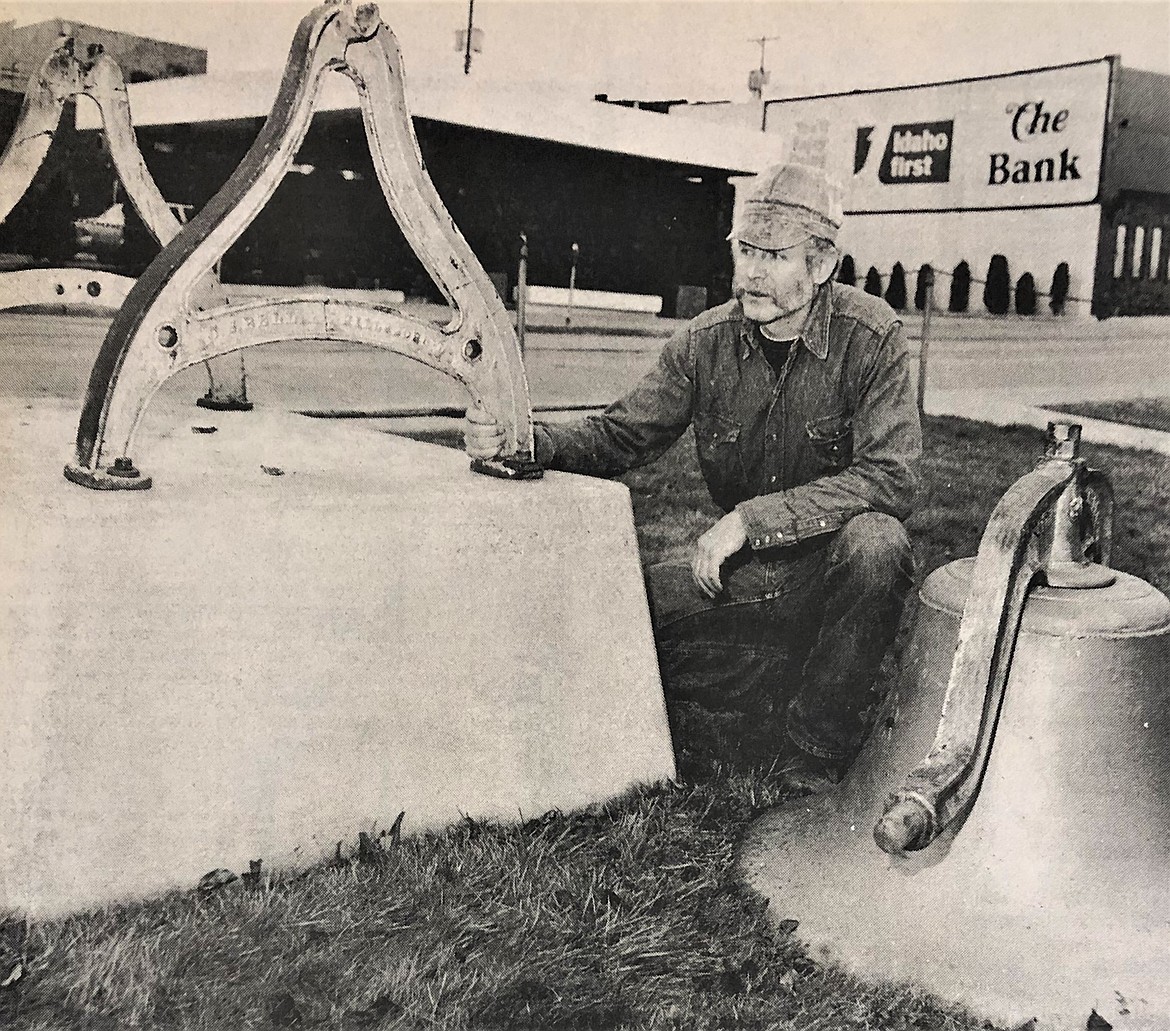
896	288
960	288
873	282
847	273
997	290
1059	289
924	273
1026	295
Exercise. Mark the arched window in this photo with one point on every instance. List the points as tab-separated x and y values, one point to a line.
1156	252
1139	240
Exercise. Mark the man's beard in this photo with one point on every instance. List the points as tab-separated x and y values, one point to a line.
792	301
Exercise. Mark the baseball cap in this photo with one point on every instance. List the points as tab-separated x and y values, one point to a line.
787	204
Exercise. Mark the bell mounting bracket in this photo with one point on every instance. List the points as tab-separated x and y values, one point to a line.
166	323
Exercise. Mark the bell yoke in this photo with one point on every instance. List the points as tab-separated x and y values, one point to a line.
170	320
64	76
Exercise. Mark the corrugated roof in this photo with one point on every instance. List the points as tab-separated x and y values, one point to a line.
533	110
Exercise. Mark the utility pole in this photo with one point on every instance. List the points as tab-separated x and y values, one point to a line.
758	77
470	27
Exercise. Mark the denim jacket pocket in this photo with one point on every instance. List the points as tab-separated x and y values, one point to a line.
831	438
717	442
712	432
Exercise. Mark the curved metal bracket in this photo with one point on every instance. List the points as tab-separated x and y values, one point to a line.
62	77
167	322
58	78
1054	524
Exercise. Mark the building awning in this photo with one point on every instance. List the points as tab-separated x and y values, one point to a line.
532	110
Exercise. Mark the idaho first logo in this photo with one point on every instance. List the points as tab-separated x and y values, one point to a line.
918	152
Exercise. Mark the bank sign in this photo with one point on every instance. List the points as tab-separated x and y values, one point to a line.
1022	140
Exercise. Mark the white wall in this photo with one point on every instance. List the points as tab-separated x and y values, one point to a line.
748	115
1033	240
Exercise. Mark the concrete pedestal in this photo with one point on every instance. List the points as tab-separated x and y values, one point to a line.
301	630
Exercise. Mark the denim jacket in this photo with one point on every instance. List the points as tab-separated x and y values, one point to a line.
836	436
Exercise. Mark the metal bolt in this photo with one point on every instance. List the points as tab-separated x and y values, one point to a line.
168	337
472	350
124	468
1063	441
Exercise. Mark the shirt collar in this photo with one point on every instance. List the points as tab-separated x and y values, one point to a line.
815	333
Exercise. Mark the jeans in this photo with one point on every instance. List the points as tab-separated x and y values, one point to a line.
797	632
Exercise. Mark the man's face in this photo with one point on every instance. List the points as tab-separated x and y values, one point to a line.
772	284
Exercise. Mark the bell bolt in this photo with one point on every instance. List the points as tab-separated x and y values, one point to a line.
905	827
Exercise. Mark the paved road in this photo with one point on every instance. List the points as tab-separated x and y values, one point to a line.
972	364
51	356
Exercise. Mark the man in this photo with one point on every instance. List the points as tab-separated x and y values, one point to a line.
808	437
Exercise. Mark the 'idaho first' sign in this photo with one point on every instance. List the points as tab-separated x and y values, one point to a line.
1027	139
918	153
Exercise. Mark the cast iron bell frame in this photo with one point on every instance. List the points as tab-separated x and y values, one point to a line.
169	320
62	77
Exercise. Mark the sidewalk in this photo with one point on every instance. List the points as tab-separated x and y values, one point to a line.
1014	413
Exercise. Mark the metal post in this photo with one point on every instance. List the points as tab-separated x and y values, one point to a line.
522	291
467	51
572	282
924	346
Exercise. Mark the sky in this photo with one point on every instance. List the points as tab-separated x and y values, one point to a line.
701	50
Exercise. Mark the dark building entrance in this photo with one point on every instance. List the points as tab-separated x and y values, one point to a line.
642	226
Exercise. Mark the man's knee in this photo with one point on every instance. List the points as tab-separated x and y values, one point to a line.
874	550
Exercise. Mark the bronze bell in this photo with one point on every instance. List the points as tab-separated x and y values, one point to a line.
1003	840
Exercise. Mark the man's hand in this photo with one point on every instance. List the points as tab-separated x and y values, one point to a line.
483	437
717	545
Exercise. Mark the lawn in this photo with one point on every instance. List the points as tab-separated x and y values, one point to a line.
1150	413
629	915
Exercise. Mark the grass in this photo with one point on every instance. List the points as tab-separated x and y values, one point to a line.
628	915
1150	413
